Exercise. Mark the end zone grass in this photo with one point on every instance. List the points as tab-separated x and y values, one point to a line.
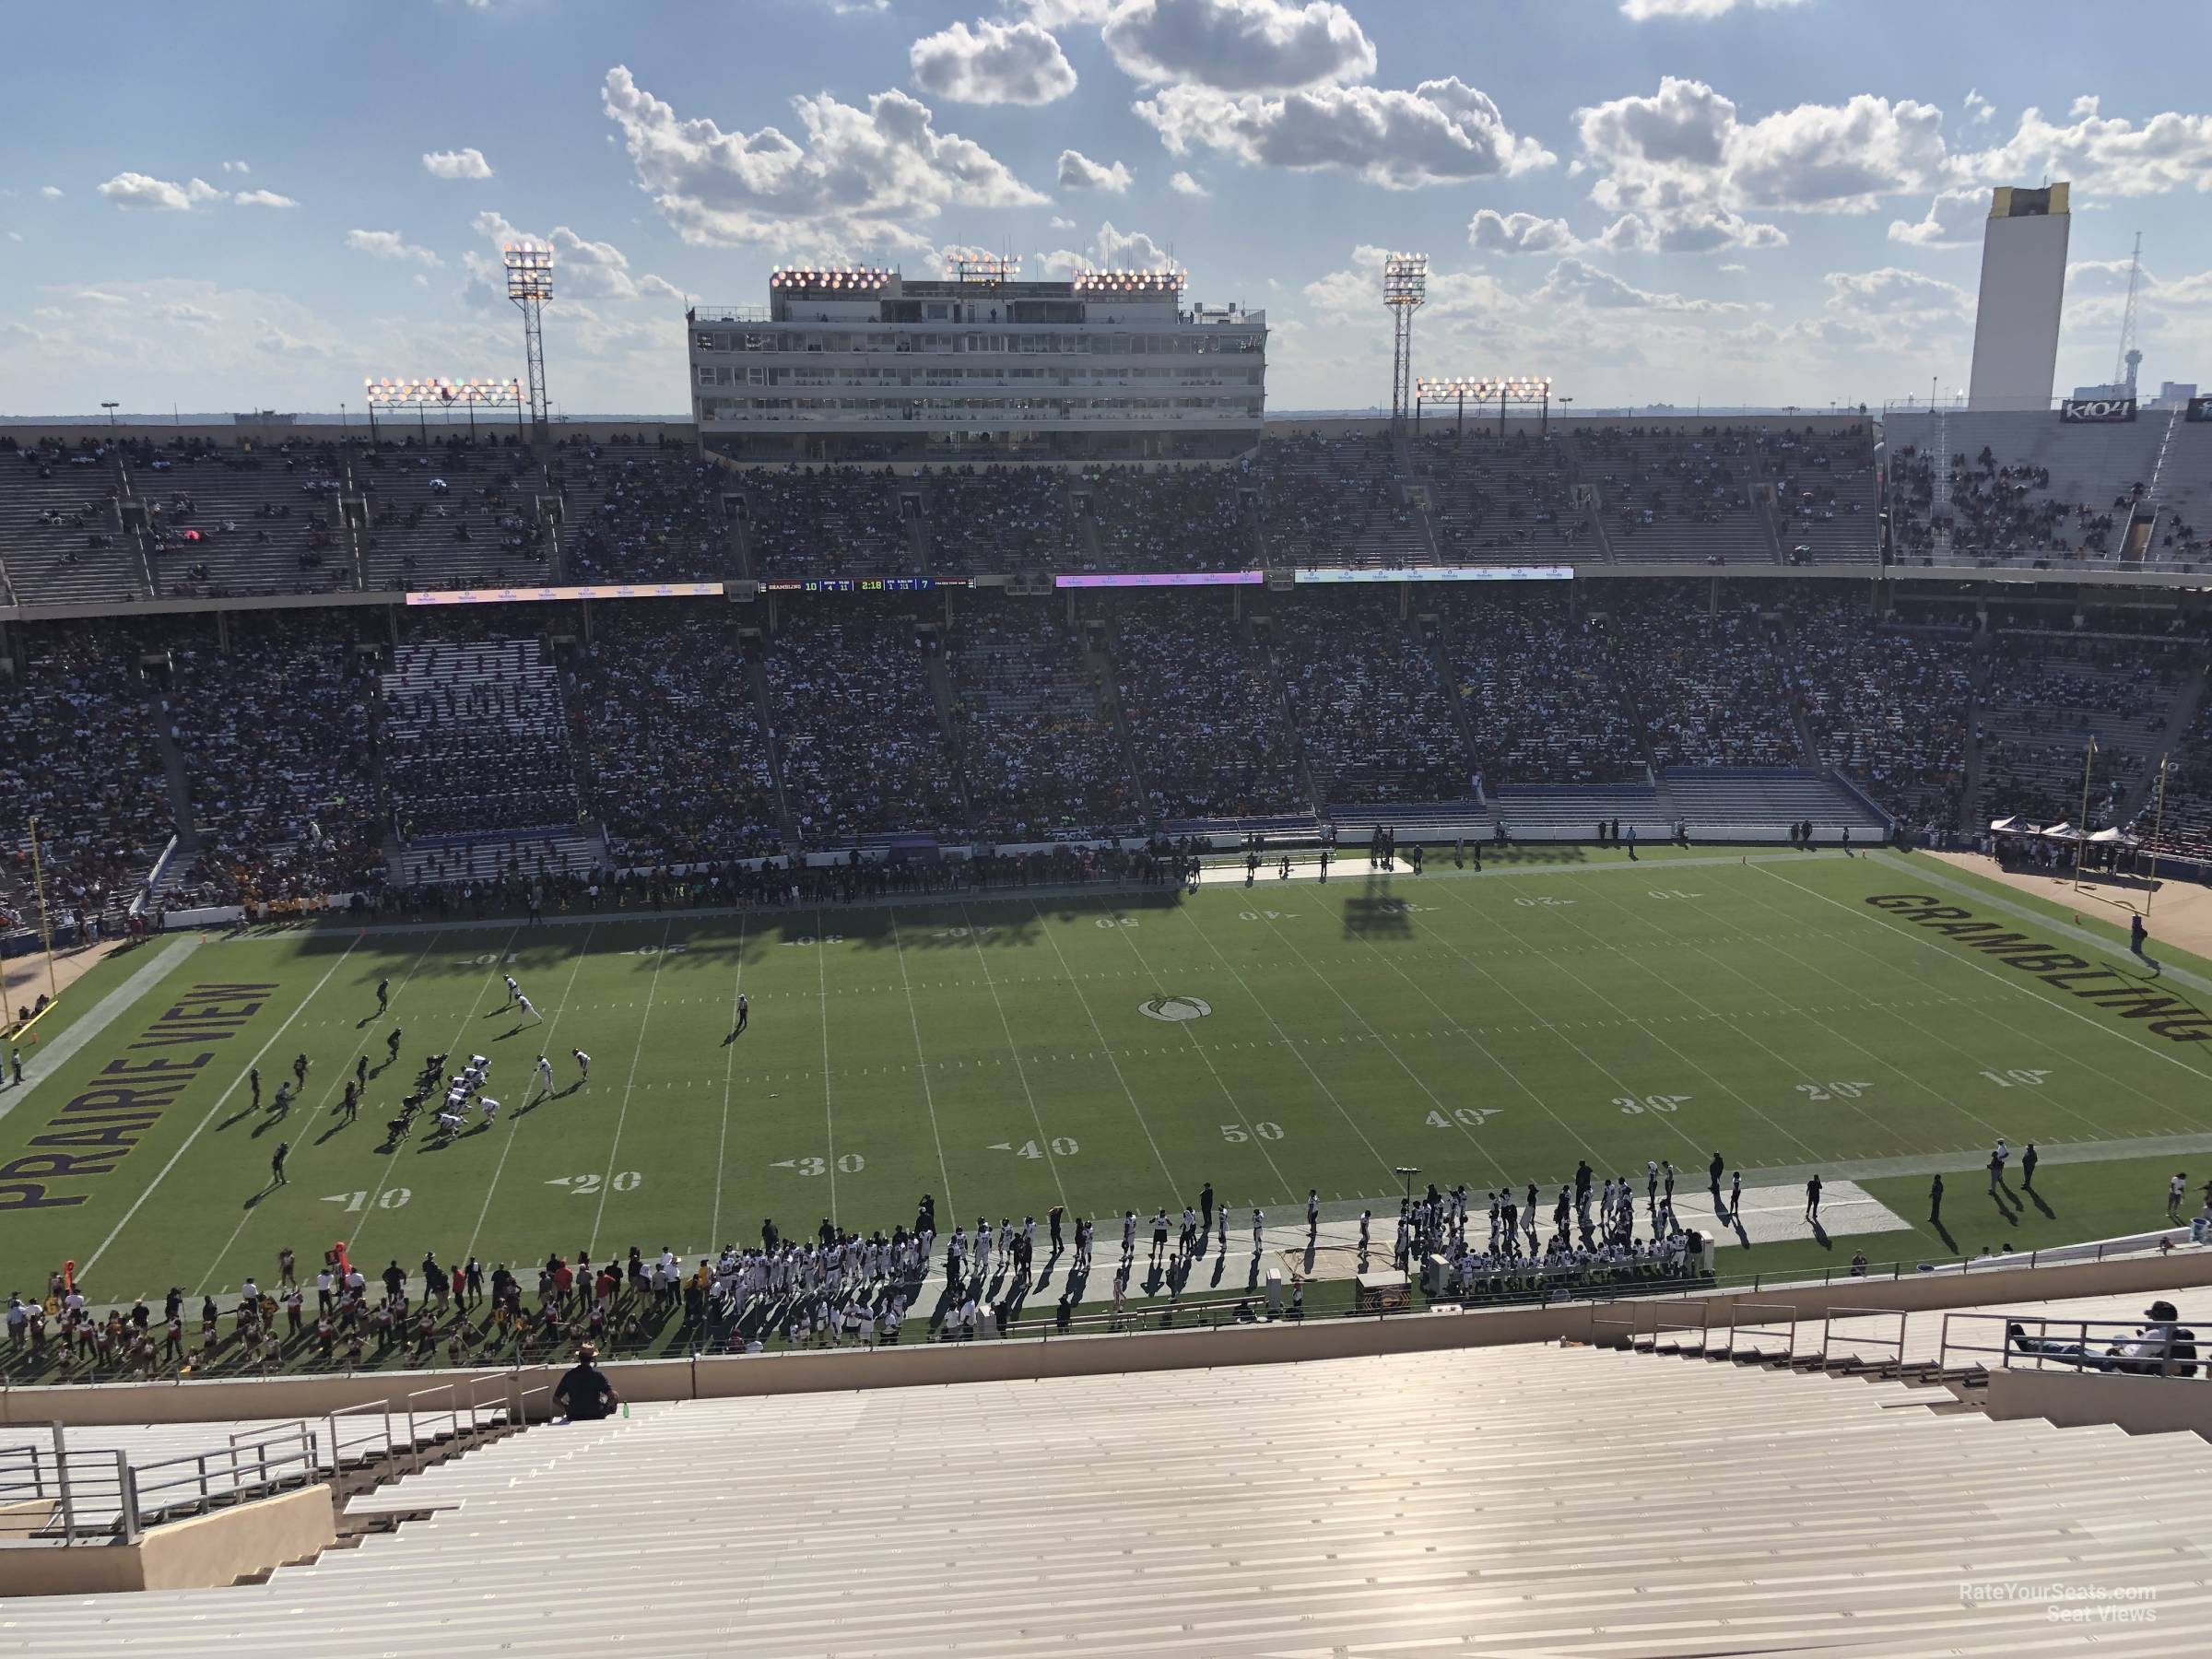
1103	1053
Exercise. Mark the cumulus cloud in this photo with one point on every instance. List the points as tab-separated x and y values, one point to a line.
582	268
457	164
1059	14
263	198
236	166
1238	45
1978	108
863	175
1694	229
141	192
389	244
993	63
1110	249
1441	131
1954	219
1696	11
1685	146
1354	293
1495	232
1575	282
2108	155
1900	295
1079	171
1182	183
52	193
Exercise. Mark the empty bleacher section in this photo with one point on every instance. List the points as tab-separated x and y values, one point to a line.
826	521
451	514
862	748
61	532
1334	499
1510	501
1171	518
1039	752
77	753
1670	493
1825	495
1212	737
1750	797
637	511
1352	1506
1537	688
983	520
1376	727
278	740
239	518
670	737
2046	697
475	740
2027	488
1710	686
1887	705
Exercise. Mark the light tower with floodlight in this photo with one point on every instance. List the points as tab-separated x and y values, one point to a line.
1404	290
530	285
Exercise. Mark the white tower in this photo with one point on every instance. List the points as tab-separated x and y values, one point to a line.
2023	285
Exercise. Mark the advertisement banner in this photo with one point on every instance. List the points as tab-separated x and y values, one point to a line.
1444	573
533	595
1164	579
2084	411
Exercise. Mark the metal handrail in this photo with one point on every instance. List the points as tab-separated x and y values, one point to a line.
1828	1332
340	1445
2071	1345
225	1472
1787	1333
451	1414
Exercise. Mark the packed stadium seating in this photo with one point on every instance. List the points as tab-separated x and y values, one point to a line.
1376	725
1709	685
287	819
1212	735
642	512
1337	499
451	514
824	520
1038	747
1002	518
670	737
1176	518
2046	697
1538	690
862	748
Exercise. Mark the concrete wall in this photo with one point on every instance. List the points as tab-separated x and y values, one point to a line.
205	1552
2074	1399
924	1364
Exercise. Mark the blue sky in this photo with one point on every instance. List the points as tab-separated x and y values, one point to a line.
1772	201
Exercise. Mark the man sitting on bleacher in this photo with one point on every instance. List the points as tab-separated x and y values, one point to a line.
585	1393
2163	1348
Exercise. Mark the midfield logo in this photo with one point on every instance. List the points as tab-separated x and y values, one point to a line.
1174	1007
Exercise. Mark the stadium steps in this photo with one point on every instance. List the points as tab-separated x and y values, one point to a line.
1436	647
1558	1501
1309	783
179	780
948	728
1105	673
764	708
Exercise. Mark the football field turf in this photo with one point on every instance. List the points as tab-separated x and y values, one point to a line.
1105	1052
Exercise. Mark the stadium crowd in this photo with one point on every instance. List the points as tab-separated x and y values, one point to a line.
1213	739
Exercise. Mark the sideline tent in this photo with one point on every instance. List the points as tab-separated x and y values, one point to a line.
2114	838
2005	825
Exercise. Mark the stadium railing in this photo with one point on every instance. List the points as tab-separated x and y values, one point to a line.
1751	1320
57	1495
2080	1345
1893	1347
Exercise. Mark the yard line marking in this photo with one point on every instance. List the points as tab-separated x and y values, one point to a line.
1277	1026
93	1260
515	1120
1991	973
1043	1140
337	1081
660	960
497	971
1111	1062
1995	1013
729	1076
821	982
1645	1023
929	1098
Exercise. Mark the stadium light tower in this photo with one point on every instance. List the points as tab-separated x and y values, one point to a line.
1404	292
1515	389
421	395
530	285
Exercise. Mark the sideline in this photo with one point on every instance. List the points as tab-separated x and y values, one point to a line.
53	1056
1940	877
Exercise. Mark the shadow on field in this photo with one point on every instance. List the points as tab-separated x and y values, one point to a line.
1378	913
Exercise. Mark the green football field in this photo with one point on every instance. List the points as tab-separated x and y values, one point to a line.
1793	1012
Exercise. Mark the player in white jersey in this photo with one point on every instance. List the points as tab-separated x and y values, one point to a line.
527	1007
448	1121
489	1108
584	1065
1255	1232
514	992
544	1073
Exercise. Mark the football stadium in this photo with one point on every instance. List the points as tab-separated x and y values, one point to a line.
938	1002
